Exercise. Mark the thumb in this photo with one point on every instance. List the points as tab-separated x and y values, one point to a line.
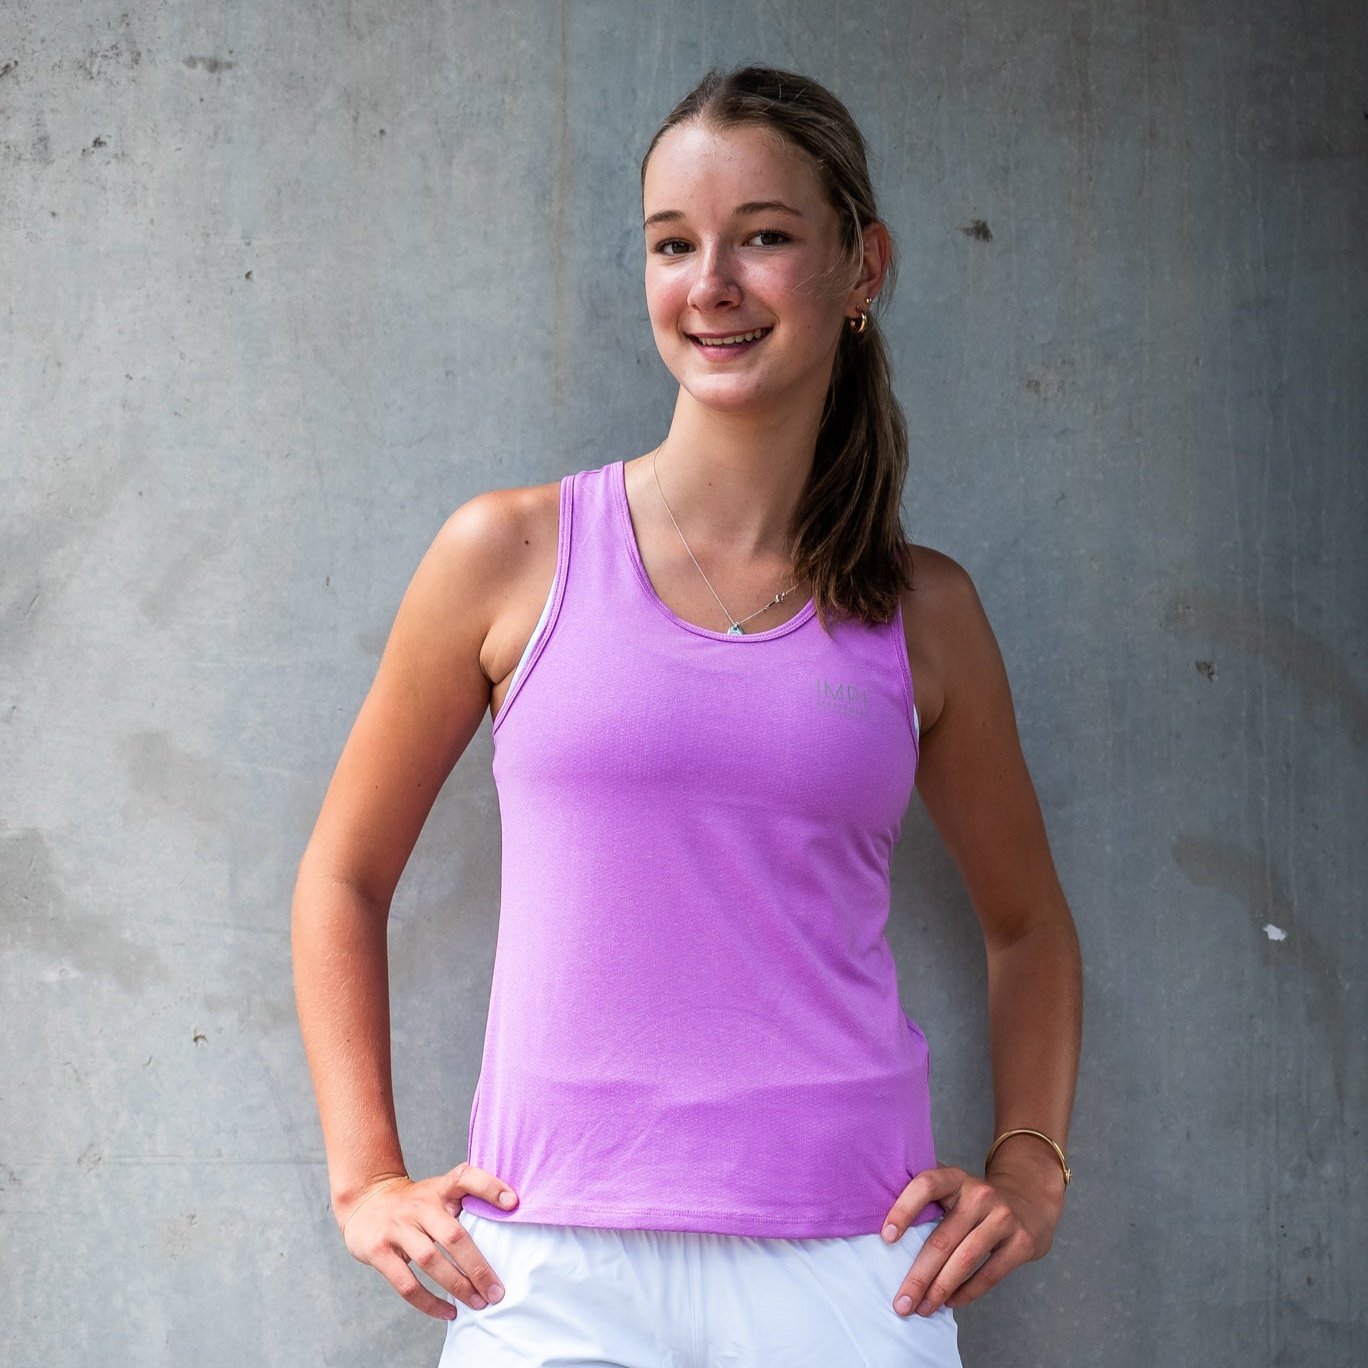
465	1179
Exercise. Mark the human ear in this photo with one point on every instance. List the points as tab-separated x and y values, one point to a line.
873	266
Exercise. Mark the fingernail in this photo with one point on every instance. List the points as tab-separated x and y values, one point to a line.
890	1232
926	1308
506	1198
496	1292
903	1306
477	1302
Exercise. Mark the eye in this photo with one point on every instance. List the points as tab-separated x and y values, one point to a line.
770	237
671	247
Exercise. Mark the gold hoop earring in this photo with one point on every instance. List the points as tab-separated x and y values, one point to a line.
858	325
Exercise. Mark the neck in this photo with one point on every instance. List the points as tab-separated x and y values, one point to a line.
739	477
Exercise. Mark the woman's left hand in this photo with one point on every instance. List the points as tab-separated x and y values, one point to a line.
990	1227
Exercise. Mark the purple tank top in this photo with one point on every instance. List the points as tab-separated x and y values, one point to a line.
694	1021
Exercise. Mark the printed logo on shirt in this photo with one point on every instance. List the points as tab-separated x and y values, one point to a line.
850	699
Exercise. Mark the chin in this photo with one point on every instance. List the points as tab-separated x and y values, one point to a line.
728	398
723	393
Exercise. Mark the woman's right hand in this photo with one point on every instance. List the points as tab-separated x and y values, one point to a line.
397	1224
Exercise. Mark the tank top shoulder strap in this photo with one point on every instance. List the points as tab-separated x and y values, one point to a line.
586	540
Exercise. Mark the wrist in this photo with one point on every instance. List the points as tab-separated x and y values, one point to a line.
346	1199
1031	1165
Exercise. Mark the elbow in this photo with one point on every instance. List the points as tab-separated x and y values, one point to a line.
323	891
1043	922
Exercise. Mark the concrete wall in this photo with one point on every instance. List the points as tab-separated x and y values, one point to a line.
280	285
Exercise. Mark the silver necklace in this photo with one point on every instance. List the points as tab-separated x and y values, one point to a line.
737	624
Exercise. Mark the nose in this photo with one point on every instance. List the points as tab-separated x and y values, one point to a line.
714	284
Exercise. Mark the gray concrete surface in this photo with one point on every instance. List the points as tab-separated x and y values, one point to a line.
280	285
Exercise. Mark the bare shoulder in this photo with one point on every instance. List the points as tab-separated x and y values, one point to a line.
497	557
947	630
493	533
940	584
480	567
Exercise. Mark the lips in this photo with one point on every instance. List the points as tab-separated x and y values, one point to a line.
721	341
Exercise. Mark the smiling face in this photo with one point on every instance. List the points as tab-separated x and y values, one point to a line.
746	283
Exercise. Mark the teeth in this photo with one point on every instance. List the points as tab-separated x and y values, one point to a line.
732	341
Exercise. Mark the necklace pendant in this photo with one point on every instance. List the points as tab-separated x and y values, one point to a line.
735	630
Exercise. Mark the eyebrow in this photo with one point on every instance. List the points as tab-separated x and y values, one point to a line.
741	211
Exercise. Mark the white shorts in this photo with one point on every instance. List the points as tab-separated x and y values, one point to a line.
597	1298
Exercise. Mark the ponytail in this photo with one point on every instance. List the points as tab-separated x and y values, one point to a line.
847	535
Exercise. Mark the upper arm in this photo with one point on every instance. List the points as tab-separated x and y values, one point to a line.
427	701
972	774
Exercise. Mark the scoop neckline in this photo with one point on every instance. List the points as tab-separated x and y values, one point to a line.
619	484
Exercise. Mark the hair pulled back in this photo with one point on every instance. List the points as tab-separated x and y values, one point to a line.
846	537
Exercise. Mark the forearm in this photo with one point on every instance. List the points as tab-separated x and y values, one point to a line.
996	1223
1035	995
341	977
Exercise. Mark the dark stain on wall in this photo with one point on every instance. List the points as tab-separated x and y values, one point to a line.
1249	878
210	64
170	596
101	63
1307	661
176	780
1241	873
41	919
42	555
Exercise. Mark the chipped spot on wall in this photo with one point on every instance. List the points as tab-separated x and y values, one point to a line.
181	1234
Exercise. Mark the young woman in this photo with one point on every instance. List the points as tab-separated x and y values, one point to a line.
702	1130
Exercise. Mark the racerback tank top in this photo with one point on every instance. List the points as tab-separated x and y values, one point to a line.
694	1019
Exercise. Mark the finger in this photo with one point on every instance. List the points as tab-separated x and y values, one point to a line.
931	1258
977	1245
420	1251
466	1179
997	1266
404	1281
931	1185
455	1241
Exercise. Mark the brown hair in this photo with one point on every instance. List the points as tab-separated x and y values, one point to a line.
846	537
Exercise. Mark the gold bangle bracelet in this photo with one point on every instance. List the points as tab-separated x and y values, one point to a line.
1039	1135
